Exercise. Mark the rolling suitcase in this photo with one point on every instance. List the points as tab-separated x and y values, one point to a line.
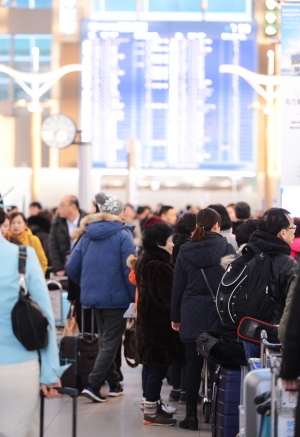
68	391
226	400
81	351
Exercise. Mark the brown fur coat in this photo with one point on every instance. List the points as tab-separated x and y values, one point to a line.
157	344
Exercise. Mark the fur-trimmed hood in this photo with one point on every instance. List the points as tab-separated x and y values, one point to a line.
131	261
100	226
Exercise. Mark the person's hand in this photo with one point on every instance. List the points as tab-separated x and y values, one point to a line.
175	325
291	384
60	273
48	391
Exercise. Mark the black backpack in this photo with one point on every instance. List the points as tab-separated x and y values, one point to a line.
244	289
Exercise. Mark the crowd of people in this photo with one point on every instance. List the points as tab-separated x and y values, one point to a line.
170	263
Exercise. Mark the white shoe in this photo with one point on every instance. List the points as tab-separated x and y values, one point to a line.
167	408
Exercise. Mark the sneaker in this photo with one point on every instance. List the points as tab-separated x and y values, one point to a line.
92	394
153	415
174	395
115	390
167	408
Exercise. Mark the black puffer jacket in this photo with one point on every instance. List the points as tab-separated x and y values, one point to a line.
59	242
192	303
179	240
282	268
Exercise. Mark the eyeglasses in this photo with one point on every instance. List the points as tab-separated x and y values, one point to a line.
292	227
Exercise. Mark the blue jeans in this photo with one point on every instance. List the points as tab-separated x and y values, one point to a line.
152	378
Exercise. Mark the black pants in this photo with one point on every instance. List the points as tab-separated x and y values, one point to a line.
194	364
178	377
152	379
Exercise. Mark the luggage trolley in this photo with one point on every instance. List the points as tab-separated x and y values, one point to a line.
60	305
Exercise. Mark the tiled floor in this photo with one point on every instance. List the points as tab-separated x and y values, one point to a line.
118	417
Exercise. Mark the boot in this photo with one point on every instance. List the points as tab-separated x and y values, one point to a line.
191	419
154	415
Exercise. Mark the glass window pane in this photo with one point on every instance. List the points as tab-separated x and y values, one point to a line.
43	3
22	3
22	46
175	5
120	5
44	44
226	6
44	66
4	45
3	90
19	93
23	66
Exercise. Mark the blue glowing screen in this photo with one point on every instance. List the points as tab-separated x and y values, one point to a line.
159	83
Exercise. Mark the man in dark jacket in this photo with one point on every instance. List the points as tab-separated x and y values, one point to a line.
274	236
98	263
60	243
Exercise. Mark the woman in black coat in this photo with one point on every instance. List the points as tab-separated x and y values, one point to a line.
156	344
193	309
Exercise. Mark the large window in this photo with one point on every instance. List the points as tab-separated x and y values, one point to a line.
213	6
27	3
15	51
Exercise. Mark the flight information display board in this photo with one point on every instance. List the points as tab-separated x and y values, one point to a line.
159	83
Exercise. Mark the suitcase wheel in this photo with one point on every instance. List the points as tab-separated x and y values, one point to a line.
207	411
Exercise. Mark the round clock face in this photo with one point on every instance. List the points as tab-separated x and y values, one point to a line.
58	131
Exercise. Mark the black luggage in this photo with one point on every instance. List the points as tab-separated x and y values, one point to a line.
226	401
81	351
68	391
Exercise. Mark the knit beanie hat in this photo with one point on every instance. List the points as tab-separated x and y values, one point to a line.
151	221
109	204
157	234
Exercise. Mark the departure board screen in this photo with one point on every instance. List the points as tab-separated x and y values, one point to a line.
159	83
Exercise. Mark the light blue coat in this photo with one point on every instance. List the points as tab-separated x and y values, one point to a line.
11	350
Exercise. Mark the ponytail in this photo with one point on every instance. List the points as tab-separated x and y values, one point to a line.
199	234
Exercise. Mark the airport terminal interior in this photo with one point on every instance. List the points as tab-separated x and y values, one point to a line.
176	104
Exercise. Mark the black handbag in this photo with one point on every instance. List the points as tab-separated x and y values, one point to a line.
29	324
220	349
129	343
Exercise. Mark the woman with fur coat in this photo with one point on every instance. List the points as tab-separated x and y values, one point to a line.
156	342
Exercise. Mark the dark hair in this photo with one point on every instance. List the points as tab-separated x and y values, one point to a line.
206	219
273	220
16	214
37	204
2	216
242	210
74	201
297	223
187	224
244	231
157	234
140	210
226	222
164	209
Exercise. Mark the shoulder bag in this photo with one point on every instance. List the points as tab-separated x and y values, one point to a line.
29	324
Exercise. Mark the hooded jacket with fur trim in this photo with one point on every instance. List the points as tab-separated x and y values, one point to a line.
98	262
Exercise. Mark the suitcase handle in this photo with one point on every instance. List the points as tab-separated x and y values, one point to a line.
73	393
53	281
